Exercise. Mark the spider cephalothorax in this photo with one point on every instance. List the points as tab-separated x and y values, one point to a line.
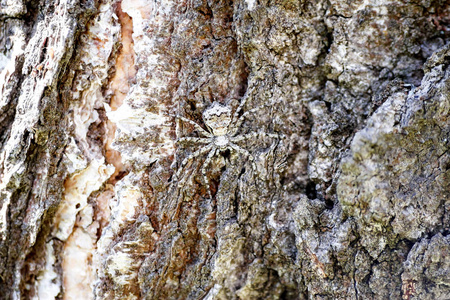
221	134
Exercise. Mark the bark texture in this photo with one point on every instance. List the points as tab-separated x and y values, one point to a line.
341	190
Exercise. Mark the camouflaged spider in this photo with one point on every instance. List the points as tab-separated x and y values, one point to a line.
221	134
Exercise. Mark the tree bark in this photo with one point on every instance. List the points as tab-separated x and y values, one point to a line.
335	185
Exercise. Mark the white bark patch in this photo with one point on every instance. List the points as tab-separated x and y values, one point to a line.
75	161
8	61
48	283
250	4
7	67
213	292
121	264
146	108
78	272
124	209
88	86
75	220
78	189
134	121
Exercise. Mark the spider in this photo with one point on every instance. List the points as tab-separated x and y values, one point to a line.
221	134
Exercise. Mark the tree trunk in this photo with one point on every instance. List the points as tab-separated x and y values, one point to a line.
224	150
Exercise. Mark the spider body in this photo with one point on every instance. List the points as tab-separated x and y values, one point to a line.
221	135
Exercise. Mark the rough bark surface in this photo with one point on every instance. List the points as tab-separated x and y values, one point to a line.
339	191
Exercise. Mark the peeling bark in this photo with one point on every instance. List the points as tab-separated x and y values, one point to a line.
339	191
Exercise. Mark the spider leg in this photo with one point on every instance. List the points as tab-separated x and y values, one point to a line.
244	152
188	139
198	127
238	110
205	165
191	157
241	119
253	135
